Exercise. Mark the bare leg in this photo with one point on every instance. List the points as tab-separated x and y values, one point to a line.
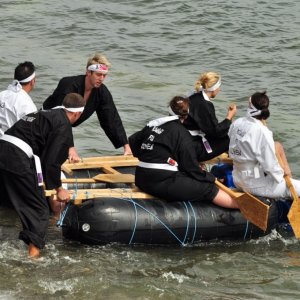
283	160
33	251
224	200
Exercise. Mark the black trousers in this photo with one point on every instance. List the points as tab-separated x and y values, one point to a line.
29	201
174	186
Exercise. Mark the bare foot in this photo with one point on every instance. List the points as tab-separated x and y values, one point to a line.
33	251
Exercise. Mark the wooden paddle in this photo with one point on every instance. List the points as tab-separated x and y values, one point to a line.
251	207
294	212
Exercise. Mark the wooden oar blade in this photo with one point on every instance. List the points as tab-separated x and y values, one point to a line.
294	217
254	210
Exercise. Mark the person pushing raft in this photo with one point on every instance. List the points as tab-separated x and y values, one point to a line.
98	99
168	167
32	152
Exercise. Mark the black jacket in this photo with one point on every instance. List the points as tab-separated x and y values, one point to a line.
169	140
100	101
49	133
202	116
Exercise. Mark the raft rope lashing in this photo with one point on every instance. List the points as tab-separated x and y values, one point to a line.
246	231
195	223
62	215
187	225
182	242
135	221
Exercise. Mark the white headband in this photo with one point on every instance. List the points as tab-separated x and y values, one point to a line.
171	112
252	110
70	109
28	79
215	86
100	68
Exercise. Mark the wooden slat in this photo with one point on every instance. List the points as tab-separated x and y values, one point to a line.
85	194
109	170
99	162
115	178
106	159
78	180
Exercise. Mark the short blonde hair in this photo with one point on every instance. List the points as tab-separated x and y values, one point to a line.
98	58
206	80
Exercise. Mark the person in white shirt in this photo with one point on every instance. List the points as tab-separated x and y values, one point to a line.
15	101
256	168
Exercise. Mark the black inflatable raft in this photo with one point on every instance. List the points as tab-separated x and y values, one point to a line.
155	222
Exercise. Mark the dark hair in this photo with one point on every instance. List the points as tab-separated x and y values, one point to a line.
73	100
24	70
261	101
180	106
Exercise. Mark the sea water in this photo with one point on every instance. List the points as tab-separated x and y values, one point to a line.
157	50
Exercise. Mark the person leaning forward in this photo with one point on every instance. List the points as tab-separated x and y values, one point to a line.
98	99
31	153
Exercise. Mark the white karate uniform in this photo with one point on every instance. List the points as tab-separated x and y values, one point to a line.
14	104
255	166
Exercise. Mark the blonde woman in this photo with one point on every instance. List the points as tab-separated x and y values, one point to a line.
210	136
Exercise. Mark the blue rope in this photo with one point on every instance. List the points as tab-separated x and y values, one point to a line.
135	222
245	235
149	212
62	215
187	224
195	223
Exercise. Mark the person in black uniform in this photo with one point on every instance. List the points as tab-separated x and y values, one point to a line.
98	99
31	153
168	166
210	136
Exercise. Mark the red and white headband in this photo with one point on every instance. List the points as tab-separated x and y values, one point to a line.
100	68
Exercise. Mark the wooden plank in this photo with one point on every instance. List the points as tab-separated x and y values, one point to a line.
94	165
104	159
66	169
78	180
115	178
84	194
99	162
109	170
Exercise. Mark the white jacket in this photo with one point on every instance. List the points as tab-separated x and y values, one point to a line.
255	165
14	104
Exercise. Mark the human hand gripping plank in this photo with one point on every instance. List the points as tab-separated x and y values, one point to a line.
251	207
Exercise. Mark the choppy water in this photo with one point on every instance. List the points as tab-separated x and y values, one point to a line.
157	49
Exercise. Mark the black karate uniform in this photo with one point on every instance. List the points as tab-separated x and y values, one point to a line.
49	133
171	140
100	101
202	117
